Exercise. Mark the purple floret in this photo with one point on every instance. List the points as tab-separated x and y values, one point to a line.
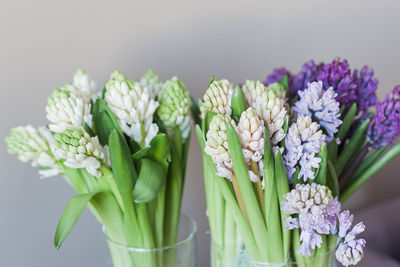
337	74
385	125
307	74
366	91
277	75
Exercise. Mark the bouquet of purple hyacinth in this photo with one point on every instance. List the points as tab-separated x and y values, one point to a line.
281	156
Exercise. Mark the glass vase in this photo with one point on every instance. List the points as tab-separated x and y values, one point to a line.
238	256
181	254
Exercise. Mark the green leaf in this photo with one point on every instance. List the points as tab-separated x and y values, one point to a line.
223	189
195	111
364	177
285	129
284	82
141	153
149	182
160	150
366	163
70	216
213	79
246	189
103	92
282	188
271	204
347	122
122	165
88	129
237	103
206	121
350	147
104	121
321	176
332	180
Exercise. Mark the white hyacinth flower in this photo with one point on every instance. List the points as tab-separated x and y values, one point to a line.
66	110
80	150
252	91
152	82
272	110
217	145
35	145
174	110
133	106
251	135
83	85
218	98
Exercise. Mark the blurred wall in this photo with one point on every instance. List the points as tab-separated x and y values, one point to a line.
43	42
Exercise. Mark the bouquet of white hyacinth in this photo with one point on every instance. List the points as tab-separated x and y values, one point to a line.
124	151
276	169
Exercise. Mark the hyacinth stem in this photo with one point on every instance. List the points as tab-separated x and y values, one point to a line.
258	186
347	174
239	197
272	213
348	150
366	163
253	210
388	156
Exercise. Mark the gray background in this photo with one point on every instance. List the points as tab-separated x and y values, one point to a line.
42	43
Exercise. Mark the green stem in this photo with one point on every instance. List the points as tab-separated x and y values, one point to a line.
388	156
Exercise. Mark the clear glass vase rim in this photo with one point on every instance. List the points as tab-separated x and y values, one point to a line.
144	250
277	264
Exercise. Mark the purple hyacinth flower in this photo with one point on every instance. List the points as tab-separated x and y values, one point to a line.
366	89
308	73
277	75
385	125
321	106
337	74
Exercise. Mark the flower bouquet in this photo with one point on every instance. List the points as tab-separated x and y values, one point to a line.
281	156
124	151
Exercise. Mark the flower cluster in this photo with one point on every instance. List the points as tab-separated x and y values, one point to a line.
320	104
133	106
71	139
66	109
217	145
311	132
318	212
350	87
264	106
35	145
152	82
385	125
217	98
80	150
174	108
303	142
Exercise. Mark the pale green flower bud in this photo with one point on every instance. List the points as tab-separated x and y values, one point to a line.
272	110
80	150
217	145
278	90
66	110
252	91
152	82
83	85
174	110
35	145
218	98
133	106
